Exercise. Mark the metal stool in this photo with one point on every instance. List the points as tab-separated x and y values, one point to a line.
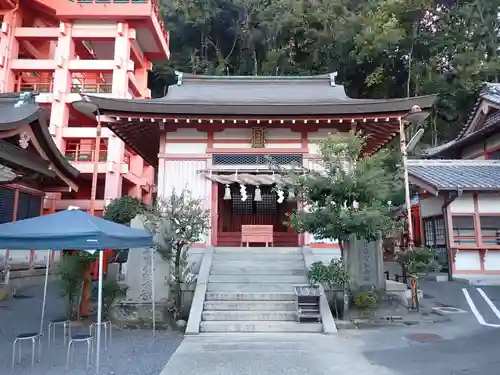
35	338
76	339
52	329
107	329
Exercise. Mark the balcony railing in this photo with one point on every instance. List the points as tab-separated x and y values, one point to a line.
85	157
154	3
40	86
45	86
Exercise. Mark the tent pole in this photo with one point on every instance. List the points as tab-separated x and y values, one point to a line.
47	263
99	314
153	289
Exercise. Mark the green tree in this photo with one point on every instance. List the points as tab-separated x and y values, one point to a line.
380	48
346	195
124	209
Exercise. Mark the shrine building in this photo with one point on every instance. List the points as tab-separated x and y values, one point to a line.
213	135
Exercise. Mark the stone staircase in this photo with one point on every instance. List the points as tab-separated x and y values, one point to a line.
251	290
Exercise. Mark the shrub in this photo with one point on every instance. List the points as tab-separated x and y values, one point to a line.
366	300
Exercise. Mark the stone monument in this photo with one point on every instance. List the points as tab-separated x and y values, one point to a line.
365	264
136	308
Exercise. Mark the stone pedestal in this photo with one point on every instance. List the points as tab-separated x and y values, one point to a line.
365	263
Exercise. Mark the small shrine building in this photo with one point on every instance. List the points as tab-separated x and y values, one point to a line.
213	134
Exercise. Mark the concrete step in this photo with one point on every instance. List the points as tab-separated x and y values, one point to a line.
249	296
222	305
289	316
258	250
261	279
259	326
251	270
258	257
250	287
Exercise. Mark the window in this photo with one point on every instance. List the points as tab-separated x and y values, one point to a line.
490	229
434	232
463	230
6	205
28	206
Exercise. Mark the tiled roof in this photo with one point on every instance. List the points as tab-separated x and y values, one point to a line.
452	175
490	92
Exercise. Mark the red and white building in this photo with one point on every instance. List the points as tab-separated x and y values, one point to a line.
68	48
459	197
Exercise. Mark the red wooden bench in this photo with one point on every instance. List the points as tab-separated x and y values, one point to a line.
257	233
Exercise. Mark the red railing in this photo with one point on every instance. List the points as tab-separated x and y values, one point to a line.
84	153
47	86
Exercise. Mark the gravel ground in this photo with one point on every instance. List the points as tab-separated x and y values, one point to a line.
132	352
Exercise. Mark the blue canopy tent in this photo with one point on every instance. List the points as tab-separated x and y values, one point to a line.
75	230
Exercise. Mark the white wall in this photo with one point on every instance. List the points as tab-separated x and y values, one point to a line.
463	204
488	203
430	206
467	260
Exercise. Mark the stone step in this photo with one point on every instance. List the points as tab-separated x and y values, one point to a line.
258	250
249	296
263	305
261	279
251	270
289	316
250	287
260	326
258	263
258	257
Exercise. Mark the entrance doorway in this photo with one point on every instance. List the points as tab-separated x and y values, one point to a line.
233	213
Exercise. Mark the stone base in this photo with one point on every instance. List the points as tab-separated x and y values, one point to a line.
140	315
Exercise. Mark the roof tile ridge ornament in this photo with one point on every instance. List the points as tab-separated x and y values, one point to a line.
332	77
26	98
180	76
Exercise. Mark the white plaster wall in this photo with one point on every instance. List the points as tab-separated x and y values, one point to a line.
185	174
492	261
232	145
470	151
493	141
430	206
463	204
273	134
186	133
233	133
283	145
321	134
186	148
467	260
488	203
180	174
